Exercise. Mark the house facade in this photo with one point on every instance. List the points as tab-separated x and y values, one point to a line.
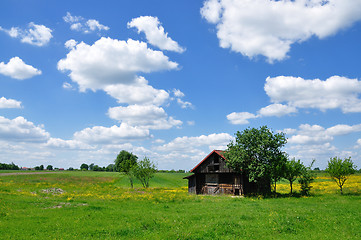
213	176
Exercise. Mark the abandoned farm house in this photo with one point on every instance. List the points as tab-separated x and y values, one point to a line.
212	176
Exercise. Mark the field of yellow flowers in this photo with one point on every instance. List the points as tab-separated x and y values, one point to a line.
88	205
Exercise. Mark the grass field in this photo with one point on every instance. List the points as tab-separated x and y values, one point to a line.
99	205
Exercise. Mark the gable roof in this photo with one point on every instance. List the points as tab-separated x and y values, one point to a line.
218	152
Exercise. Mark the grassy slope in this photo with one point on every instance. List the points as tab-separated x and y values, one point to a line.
164	214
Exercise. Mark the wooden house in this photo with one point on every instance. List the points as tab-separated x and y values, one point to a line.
213	176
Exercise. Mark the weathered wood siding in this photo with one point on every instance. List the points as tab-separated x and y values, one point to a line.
214	164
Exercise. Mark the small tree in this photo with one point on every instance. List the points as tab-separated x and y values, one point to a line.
293	169
306	178
84	166
125	162
144	171
340	170
49	167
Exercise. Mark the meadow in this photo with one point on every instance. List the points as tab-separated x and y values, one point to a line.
100	205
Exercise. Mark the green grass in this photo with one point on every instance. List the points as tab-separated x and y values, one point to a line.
98	205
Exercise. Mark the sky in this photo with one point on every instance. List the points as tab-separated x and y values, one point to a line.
173	80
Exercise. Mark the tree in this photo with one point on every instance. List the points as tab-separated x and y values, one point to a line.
124	163
306	178
41	167
340	170
257	154
84	166
110	168
49	167
293	170
91	167
144	171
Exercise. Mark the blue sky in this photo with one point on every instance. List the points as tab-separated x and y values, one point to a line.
173	80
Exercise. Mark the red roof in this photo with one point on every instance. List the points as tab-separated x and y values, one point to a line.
219	152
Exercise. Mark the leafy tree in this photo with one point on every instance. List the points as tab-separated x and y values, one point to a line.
41	167
306	178
84	166
91	167
70	169
124	163
144	171
340	170
257	154
293	170
49	167
110	168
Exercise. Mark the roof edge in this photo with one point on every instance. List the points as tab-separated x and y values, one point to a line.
219	153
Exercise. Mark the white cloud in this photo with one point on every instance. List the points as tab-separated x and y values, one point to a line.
110	61
145	116
316	134
154	32
17	69
67	144
38	35
276	110
184	104
137	92
240	117
213	141
79	23
316	142
70	44
68	86
95	25
334	92
9	103
178	93
269	28
21	130
114	134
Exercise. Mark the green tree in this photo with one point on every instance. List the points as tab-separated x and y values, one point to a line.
144	171
84	166
340	170
292	171
124	163
49	167
257	154
306	178
41	167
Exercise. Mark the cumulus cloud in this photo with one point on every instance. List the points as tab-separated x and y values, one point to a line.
38	35
137	92
70	44
213	141
145	116
154	32
240	117
316	134
67	144
9	103
317	142
16	68
21	130
288	94
334	92
110	61
269	28
183	104
79	23
114	134
276	110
